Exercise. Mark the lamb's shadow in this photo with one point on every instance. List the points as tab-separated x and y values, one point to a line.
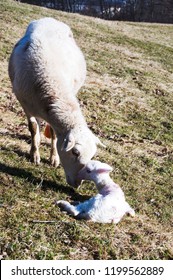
46	184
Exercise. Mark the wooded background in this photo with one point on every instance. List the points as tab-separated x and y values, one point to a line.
160	11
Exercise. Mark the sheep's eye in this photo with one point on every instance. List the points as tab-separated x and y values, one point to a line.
88	171
75	152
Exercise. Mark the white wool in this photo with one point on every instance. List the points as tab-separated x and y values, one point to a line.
47	69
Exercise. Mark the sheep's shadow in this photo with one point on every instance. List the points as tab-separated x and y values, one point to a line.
23	137
45	185
19	136
23	173
26	155
27	139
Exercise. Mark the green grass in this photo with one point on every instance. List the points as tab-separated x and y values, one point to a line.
128	102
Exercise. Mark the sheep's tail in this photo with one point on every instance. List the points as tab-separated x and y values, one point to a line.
47	132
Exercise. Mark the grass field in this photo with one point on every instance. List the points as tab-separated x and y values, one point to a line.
128	102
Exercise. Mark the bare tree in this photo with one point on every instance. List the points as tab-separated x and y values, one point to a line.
134	10
154	11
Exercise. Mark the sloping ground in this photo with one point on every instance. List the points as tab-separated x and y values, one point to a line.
128	101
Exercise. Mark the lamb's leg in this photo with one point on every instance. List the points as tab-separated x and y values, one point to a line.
54	157
66	206
84	216
35	139
116	220
73	210
130	210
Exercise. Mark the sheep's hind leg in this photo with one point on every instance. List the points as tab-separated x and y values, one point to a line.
35	139
54	157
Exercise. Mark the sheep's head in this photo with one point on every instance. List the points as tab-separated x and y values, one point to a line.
95	171
75	150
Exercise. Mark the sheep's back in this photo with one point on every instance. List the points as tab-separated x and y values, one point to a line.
48	57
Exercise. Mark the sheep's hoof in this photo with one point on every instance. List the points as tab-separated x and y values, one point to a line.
54	160
35	157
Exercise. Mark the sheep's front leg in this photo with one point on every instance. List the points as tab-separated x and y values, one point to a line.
54	157
35	139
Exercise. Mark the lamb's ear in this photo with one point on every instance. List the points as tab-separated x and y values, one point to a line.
108	167
99	143
68	143
105	168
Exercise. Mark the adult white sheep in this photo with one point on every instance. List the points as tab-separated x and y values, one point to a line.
47	69
108	206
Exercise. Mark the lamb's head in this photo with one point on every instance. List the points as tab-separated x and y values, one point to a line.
75	150
95	171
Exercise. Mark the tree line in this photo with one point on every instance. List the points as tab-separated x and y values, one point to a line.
131	10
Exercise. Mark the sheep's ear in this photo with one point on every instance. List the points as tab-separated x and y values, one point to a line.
68	142
99	143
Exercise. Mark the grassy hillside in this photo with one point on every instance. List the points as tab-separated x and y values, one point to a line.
128	102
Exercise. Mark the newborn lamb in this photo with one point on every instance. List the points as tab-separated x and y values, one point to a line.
108	206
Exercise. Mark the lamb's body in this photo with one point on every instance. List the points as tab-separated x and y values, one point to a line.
108	206
47	69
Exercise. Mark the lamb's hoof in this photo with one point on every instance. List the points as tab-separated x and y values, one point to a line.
132	213
62	204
